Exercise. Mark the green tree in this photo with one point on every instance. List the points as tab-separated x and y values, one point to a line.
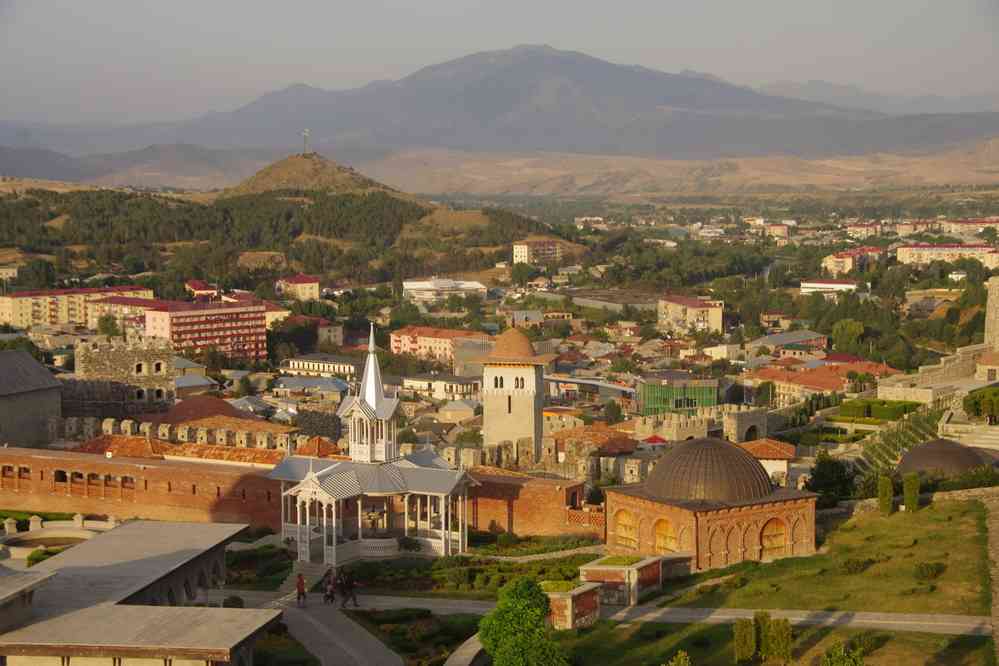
407	436
108	325
886	495
681	658
761	622
781	641
612	412
36	274
830	477
744	643
910	491
515	633
841	655
521	273
244	387
846	335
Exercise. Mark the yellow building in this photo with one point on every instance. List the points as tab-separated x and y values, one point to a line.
54	307
926	254
301	287
686	314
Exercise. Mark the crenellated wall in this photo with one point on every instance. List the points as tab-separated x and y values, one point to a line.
82	429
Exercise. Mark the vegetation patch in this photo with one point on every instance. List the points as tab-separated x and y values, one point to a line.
416	634
509	545
713	645
870	564
42	554
263	568
619	561
559	585
279	648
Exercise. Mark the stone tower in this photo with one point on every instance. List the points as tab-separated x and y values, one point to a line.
513	392
992	314
370	415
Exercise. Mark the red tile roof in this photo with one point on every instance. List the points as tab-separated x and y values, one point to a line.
301	278
319	447
125	446
134	301
769	449
230	454
434	332
198	407
199	285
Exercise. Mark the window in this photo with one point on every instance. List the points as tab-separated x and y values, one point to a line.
76	477
158	367
159	394
509	404
194	489
773	539
24	473
8	471
140	394
140	368
665	537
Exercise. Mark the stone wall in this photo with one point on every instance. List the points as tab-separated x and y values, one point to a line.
574	609
527	506
82	429
624	585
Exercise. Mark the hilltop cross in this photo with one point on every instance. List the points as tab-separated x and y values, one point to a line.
305	141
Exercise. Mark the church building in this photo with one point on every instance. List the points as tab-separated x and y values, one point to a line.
378	503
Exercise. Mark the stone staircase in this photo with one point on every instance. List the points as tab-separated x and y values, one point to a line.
312	571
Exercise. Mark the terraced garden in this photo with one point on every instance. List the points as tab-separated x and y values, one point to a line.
883	449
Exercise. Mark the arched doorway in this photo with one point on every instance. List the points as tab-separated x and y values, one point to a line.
716	549
734	546
752	432
665	535
773	539
626	529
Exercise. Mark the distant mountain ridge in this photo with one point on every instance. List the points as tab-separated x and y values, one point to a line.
855	97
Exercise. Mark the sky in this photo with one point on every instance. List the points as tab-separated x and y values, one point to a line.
132	61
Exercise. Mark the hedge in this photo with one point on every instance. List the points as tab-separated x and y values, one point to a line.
886	495
887	410
910	491
744	640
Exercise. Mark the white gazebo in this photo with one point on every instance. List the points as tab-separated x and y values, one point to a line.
377	504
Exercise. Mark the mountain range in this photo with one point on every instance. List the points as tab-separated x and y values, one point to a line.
529	100
855	97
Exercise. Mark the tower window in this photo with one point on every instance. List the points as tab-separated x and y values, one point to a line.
139	368
509	404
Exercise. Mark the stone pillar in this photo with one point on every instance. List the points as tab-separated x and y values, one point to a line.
71	427
128	428
10	526
165	432
90	427
203	436
283	441
184	434
78	521
109	427
55	428
243	439
146	430
35	523
301	440
223	437
263	440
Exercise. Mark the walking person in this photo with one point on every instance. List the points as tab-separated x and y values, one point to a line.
329	589
300	589
348	589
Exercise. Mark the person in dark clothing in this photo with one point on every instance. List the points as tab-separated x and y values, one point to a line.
300	590
348	589
329	588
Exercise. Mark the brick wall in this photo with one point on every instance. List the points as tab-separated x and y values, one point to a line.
526	506
151	489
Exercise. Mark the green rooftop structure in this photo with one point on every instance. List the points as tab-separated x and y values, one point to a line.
676	394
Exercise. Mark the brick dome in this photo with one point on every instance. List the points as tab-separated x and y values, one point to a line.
940	456
513	346
708	469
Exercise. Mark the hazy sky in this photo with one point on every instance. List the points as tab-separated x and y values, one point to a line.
139	60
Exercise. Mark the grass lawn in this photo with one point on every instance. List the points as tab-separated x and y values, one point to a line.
711	645
278	648
619	561
484	543
870	565
419	636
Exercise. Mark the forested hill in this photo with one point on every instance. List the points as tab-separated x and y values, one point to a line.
361	236
309	171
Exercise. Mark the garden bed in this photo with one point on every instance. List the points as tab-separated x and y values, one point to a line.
508	545
417	635
931	561
459	576
278	648
711	645
263	568
618	561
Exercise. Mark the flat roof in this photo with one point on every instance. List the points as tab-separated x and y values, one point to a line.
12	584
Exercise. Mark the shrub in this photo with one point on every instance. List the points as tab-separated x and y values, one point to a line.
780	641
233	601
854	566
517	627
910	491
886	495
409	544
681	658
41	554
926	571
744	639
840	655
762	622
507	540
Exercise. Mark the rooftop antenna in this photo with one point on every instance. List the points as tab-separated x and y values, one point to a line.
305	141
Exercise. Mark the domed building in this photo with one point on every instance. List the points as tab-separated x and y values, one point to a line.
941	457
711	500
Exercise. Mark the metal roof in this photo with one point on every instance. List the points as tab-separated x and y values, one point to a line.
21	373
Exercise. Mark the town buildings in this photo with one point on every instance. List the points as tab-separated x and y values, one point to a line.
428	342
199	289
686	314
537	252
322	365
855	259
793	386
437	289
675	391
828	288
300	287
235	329
774	342
54	307
923	254
442	387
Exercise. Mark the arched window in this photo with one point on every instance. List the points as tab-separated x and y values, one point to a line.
509	404
60	476
158	367
159	394
140	394
501	382
666	541
773	539
626	529
128	482
140	368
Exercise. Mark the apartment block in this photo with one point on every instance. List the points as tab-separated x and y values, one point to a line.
429	342
537	252
238	330
926	254
55	307
686	314
301	287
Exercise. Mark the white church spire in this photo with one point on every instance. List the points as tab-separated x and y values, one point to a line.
372	389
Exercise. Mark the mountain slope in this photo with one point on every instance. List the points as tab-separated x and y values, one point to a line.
854	97
41	163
